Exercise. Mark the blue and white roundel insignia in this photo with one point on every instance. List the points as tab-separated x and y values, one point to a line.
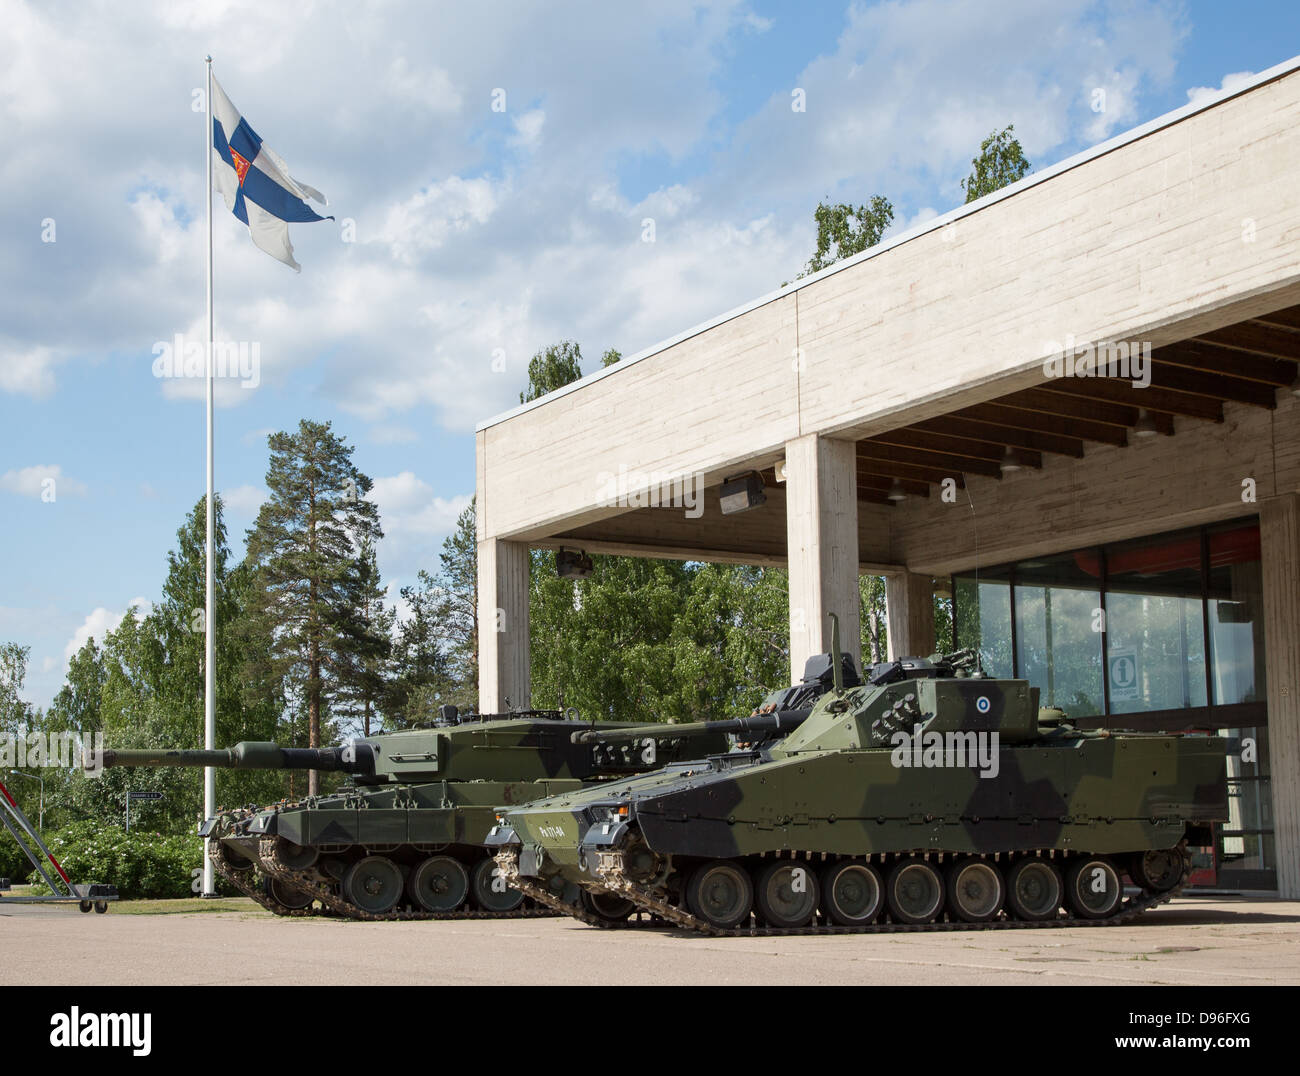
982	704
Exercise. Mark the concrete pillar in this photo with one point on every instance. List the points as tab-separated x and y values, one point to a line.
821	520
909	606
1279	532
504	670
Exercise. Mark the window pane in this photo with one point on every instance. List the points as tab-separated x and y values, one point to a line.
1058	632
1236	614
983	619
1155	630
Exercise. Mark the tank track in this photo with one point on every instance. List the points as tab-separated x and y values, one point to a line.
613	874
323	890
508	860
241	880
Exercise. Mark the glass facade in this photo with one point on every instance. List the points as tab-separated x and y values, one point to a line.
1160	633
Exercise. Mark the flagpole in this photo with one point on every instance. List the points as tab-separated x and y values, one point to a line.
209	618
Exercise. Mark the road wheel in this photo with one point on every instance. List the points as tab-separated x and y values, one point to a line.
975	890
1158	869
287	896
1034	890
1092	887
721	894
439	884
490	891
297	857
786	894
101	906
610	908
84	907
852	893
373	884
231	859
914	891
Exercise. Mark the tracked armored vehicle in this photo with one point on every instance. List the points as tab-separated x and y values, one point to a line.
930	797
405	841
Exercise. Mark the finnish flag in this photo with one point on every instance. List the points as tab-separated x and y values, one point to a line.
255	181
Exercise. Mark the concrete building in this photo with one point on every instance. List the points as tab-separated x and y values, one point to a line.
1129	542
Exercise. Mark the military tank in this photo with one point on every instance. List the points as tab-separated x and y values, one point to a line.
928	797
405	840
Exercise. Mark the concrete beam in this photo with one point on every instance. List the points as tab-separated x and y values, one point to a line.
504	668
1279	532
822	541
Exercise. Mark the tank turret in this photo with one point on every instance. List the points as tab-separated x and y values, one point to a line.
929	795
405	838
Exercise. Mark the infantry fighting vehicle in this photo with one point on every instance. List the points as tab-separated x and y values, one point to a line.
405	841
929	795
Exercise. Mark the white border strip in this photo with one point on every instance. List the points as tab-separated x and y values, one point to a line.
1150	127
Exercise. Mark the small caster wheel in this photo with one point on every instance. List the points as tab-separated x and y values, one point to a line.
101	906
84	907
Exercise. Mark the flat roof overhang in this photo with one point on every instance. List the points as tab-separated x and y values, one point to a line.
929	351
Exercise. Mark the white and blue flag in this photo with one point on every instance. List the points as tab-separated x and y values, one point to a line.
255	181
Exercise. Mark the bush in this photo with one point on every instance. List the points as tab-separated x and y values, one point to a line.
141	865
13	864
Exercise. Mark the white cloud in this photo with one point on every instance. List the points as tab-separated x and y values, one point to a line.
393	435
100	622
425	221
528	129
36	481
28	372
1198	94
466	245
243	501
415	522
258	437
400	492
1116	95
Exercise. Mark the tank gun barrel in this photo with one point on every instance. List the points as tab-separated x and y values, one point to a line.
249	755
781	721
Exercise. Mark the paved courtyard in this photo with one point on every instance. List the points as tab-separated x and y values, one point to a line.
1226	941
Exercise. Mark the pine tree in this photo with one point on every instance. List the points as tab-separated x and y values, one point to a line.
365	669
306	547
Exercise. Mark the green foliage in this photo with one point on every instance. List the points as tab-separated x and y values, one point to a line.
844	230
437	646
610	357
142	864
553	368
310	583
15	714
364	667
13	864
1001	161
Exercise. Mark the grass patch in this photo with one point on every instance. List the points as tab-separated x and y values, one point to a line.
187	905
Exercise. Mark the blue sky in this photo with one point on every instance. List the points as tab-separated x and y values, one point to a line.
475	230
